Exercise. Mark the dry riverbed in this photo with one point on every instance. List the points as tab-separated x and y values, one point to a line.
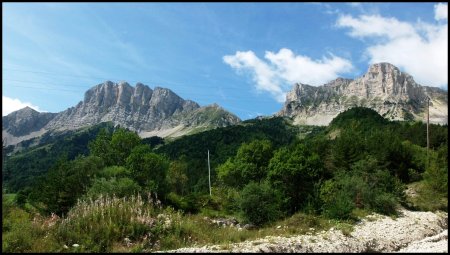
410	232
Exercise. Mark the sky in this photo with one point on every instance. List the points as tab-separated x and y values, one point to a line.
243	56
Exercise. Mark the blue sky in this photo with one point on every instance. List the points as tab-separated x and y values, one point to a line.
242	56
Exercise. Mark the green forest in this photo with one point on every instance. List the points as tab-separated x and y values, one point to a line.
104	189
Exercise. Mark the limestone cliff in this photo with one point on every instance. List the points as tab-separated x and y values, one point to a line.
384	88
138	108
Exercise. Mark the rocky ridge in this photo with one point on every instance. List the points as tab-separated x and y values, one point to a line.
392	93
149	112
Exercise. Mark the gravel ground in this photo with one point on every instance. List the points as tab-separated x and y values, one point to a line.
410	232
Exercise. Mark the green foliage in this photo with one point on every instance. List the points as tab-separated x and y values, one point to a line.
24	168
115	148
65	183
249	164
261	171
223	143
358	117
115	171
338	202
18	236
97	224
148	169
120	187
188	204
293	171
436	175
230	173
366	185
122	143
259	203
101	146
153	141
21	234
177	178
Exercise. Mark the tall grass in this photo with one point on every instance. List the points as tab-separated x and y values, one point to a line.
98	225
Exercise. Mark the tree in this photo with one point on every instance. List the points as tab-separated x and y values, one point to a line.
115	148
257	153
148	169
249	164
177	178
293	171
120	187
122	143
259	203
65	183
367	184
101	146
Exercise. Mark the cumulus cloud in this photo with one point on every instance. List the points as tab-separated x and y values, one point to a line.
10	105
441	11
280	70
420	49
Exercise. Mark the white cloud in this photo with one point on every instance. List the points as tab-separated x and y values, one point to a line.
420	49
10	105
441	11
285	68
375	25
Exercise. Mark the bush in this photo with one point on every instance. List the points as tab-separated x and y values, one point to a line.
365	186
385	203
259	203
187	203
120	187
20	234
337	202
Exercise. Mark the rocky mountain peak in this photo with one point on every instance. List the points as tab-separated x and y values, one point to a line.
24	121
26	112
338	82
384	88
150	112
383	67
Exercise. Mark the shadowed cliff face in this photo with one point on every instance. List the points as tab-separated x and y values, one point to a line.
384	88
138	108
25	121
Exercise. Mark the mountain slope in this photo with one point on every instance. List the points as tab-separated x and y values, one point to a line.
141	109
24	124
392	93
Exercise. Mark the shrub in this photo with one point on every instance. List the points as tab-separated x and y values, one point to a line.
259	203
120	187
338	203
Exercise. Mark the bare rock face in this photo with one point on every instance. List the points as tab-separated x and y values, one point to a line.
25	121
138	108
392	93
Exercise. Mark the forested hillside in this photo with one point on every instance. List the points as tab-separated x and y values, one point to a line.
154	193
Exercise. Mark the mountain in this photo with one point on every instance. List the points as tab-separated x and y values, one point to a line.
149	112
24	124
384	88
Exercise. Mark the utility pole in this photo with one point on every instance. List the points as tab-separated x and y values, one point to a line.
209	175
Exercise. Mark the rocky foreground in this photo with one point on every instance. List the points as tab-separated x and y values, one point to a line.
410	232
